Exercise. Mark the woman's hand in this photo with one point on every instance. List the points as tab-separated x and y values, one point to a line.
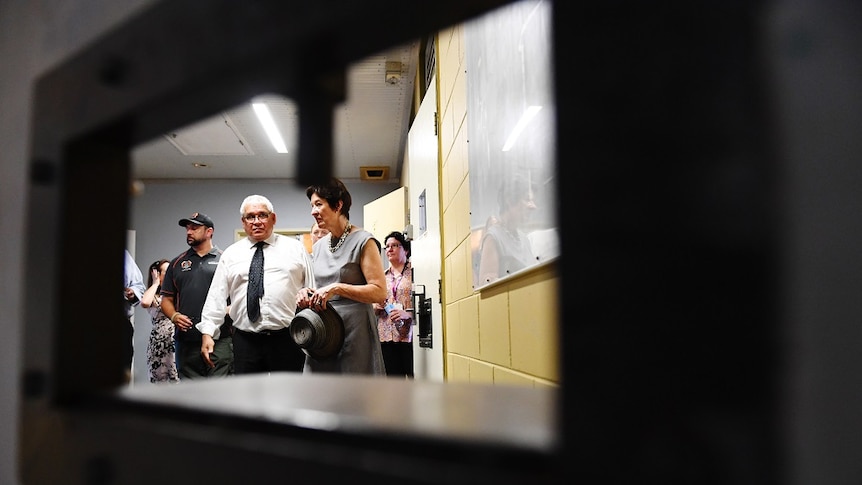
317	298
398	315
304	297
155	274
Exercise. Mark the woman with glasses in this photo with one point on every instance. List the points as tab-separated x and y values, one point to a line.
348	271
394	316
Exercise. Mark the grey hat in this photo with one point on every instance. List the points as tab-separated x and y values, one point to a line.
319	334
197	218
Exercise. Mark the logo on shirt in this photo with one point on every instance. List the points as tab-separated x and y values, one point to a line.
186	265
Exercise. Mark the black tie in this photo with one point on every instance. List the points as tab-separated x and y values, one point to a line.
255	283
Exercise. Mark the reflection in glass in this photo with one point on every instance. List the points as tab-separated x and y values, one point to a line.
505	247
512	139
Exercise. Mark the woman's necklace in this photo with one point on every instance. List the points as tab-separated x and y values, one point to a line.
332	249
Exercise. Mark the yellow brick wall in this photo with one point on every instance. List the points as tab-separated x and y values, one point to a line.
507	333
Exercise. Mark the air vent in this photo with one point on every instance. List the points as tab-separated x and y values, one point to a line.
213	136
374	173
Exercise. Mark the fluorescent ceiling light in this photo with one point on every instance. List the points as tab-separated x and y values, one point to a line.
526	118
265	118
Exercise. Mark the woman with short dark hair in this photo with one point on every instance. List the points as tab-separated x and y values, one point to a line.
348	271
394	316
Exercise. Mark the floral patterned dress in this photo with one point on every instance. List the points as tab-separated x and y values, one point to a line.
161	360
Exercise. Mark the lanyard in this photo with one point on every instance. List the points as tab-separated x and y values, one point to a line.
397	283
395	287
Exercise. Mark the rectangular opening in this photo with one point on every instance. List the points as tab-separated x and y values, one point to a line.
374	173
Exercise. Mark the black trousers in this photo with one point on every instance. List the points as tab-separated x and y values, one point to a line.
127	344
270	351
398	358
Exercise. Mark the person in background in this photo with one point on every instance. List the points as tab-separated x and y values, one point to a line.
161	360
261	310
317	233
184	292
505	247
349	274
394	316
133	291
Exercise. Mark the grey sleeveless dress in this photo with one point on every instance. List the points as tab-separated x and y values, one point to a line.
361	352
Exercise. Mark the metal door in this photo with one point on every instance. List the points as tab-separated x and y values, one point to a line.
424	197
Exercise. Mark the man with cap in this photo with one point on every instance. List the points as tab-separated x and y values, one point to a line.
184	292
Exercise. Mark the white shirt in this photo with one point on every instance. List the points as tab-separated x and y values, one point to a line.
135	281
286	269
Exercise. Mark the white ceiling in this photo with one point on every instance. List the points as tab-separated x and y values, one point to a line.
370	129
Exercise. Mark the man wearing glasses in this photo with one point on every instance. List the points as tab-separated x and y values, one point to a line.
261	275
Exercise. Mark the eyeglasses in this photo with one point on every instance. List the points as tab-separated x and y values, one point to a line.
393	246
263	216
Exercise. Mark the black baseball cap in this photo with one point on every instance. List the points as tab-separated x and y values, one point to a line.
197	218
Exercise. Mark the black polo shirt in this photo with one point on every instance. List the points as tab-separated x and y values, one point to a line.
188	280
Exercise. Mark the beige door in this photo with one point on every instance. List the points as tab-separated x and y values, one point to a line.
386	214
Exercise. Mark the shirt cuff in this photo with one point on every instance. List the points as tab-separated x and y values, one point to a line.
209	329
